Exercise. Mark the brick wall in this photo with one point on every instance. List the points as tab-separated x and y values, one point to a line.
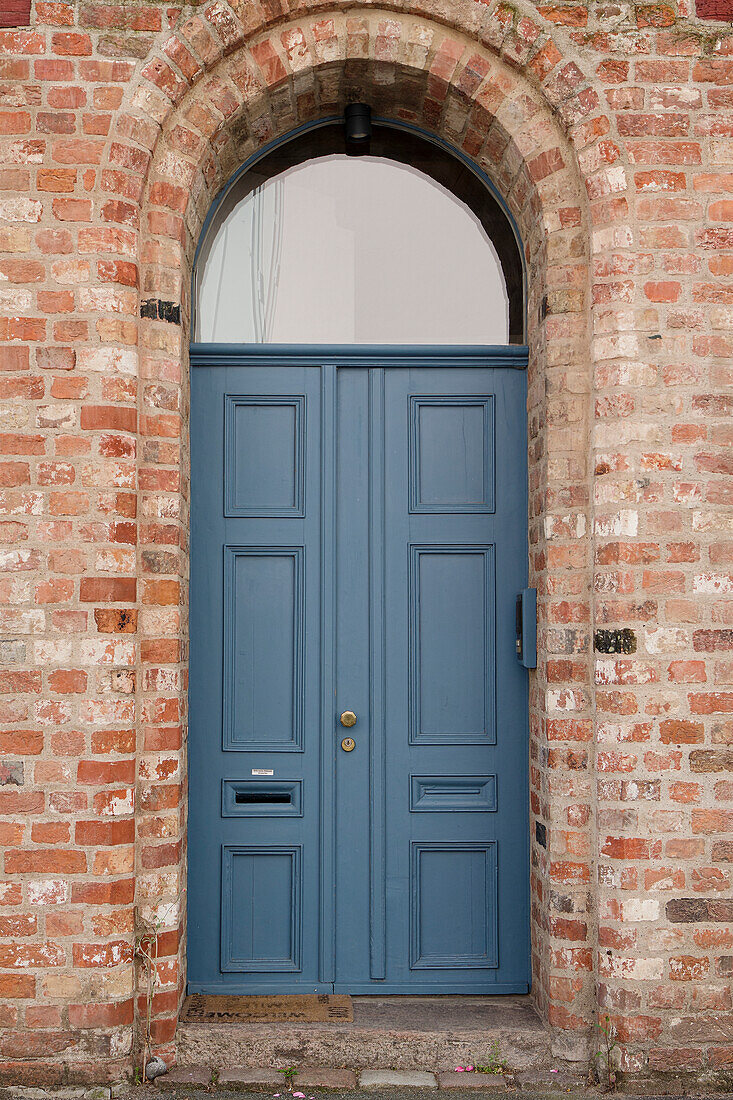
609	131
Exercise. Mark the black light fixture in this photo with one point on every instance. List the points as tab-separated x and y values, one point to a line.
358	125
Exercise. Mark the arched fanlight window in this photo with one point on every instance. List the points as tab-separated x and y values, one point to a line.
356	250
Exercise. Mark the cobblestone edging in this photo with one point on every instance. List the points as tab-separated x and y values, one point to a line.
258	1080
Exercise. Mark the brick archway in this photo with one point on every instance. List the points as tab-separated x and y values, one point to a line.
207	104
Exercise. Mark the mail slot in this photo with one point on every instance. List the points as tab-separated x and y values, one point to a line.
261	798
256	798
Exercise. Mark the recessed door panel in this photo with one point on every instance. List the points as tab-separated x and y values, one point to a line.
451	644
264	603
264	448
452	454
261	913
454	906
449	793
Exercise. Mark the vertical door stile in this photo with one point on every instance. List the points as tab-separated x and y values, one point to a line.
327	802
377	756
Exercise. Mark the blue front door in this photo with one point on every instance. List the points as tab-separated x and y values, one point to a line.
358	540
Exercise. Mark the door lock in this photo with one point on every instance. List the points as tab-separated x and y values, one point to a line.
348	744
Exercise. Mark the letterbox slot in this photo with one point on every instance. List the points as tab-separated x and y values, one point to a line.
244	798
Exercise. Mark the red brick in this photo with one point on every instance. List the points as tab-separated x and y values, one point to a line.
21	742
161	592
108	589
104	833
67	681
115	1014
95	417
102	955
711	702
45	861
630	848
19	682
13	986
678	731
14	473
18	925
52	832
120	892
100	774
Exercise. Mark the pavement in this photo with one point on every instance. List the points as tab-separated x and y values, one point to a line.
198	1083
411	1093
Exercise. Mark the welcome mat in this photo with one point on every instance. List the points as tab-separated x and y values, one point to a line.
309	1008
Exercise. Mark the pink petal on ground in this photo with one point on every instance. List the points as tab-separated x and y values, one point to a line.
459	1069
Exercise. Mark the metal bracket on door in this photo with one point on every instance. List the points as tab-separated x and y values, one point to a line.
526	634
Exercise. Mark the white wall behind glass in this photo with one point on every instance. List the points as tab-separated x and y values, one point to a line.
343	250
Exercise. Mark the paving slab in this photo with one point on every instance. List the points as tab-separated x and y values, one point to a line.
197	1076
313	1077
406	1078
551	1078
240	1077
449	1079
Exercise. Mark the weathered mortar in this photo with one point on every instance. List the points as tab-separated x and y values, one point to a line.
608	129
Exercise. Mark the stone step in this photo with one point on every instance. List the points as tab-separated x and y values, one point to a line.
391	1033
282	1044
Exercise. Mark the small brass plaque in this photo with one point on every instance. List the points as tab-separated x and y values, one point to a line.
348	744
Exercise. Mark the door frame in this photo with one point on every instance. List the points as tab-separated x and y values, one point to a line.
510	356
513	356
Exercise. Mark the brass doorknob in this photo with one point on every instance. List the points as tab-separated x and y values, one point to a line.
348	718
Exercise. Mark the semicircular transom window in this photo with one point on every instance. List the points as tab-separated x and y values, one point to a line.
347	250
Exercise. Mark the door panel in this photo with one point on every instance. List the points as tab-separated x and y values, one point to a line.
261	909
452	454
454	906
451	645
264	623
363	554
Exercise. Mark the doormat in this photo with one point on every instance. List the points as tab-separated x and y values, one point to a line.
309	1008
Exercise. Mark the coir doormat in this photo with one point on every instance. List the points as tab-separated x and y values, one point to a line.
310	1008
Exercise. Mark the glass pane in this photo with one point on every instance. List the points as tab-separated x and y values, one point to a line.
343	250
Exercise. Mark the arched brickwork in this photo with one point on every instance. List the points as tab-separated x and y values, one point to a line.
215	96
